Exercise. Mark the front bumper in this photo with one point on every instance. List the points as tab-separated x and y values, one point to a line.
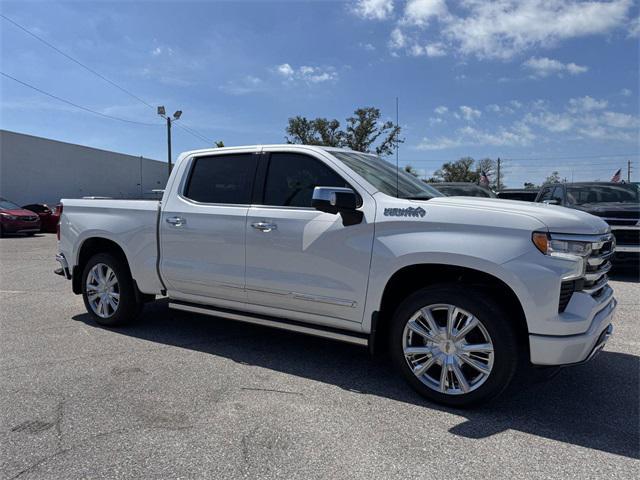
572	349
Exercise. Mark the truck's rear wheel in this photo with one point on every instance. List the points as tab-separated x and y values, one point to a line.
454	345
108	291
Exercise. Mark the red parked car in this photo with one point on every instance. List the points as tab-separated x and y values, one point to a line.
14	219
49	217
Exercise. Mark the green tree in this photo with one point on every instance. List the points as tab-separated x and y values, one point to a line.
365	132
530	186
553	178
219	144
459	171
412	171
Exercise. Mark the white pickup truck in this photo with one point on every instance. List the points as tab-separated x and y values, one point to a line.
334	243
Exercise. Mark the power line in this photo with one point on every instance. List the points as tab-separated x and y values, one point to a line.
74	60
89	69
86	109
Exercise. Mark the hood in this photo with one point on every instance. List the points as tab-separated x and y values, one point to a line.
557	219
19	212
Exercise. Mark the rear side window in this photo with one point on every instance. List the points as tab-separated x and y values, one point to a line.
292	177
222	179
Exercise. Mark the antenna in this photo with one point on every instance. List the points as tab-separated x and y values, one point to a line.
397	147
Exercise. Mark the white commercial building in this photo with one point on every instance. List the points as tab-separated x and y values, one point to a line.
40	170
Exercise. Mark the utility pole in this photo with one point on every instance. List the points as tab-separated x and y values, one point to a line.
628	171
169	144
498	175
176	116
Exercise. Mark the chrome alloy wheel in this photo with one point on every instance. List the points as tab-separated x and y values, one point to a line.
448	349
103	292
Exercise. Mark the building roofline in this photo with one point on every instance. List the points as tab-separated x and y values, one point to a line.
3	130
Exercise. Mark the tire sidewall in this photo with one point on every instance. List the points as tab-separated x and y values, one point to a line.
487	311
128	306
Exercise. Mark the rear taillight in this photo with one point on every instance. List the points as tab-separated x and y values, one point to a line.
59	212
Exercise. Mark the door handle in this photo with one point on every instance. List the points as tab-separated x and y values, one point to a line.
176	221
264	227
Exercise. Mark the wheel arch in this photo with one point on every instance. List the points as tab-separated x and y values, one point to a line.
411	278
90	247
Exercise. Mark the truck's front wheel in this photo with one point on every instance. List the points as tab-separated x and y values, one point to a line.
454	345
108	291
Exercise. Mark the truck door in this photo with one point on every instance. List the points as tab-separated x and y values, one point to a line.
303	264
203	229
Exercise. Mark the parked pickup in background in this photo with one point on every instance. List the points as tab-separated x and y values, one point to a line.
618	204
465	292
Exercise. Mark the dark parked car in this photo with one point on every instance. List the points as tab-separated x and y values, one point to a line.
617	203
14	219
463	189
49	217
523	194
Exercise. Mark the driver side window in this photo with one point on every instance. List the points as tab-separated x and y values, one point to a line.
291	178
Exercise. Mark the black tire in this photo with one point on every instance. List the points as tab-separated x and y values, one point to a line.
129	306
496	323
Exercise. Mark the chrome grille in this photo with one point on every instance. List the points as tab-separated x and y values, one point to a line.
594	280
28	218
598	265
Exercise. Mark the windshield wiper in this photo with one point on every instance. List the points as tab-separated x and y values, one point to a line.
416	198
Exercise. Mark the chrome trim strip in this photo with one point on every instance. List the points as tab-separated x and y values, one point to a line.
597	286
624	227
597	238
628	248
595	261
308	330
341	302
591	276
60	258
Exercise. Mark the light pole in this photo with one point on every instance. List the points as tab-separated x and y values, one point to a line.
176	116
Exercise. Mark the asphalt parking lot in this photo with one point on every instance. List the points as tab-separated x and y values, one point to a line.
185	396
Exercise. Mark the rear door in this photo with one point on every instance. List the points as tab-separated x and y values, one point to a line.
301	263
203	229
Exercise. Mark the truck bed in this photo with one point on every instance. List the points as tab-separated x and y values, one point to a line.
130	223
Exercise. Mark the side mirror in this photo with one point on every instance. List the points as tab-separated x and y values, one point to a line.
336	200
552	201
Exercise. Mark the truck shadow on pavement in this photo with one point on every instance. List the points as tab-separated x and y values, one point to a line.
594	406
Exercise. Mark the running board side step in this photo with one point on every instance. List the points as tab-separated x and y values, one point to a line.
274	322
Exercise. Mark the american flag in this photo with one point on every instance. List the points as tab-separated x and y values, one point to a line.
484	179
617	176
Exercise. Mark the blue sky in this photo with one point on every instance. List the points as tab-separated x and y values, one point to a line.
544	85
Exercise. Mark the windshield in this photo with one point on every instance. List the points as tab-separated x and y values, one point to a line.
464	191
7	205
622	193
384	176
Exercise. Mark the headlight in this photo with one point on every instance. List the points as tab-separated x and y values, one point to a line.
8	217
569	249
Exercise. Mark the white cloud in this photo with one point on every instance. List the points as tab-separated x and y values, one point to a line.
285	70
625	92
420	12
540	121
634	28
306	73
441	110
368	47
586	104
397	39
517	134
543	67
469	114
373	9
505	28
430	50
246	85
